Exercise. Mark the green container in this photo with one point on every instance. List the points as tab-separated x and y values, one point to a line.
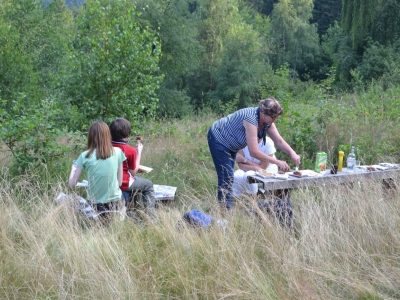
320	162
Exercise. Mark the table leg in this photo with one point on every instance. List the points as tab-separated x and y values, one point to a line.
282	194
389	184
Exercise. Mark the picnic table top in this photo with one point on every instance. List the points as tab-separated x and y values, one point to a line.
323	179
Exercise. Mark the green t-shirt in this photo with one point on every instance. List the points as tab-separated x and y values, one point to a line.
102	176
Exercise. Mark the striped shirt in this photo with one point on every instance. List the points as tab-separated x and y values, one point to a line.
230	132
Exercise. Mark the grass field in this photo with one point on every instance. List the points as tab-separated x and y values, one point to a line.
348	245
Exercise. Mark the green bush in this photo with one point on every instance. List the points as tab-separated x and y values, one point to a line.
30	133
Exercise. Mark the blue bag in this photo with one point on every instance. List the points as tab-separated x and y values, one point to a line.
197	218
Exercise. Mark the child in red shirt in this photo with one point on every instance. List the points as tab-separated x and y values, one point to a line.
133	187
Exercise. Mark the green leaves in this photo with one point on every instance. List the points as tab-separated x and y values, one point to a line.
114	67
31	132
295	39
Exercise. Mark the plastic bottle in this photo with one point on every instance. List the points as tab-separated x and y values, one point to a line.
340	166
351	161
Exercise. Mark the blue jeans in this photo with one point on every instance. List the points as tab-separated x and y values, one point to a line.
224	161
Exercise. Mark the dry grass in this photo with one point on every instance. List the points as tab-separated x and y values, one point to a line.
348	245
348	248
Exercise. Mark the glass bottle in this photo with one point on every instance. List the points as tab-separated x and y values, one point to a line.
351	161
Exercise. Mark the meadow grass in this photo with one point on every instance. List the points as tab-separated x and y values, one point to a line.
347	247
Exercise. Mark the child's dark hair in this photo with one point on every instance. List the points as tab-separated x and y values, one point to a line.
120	129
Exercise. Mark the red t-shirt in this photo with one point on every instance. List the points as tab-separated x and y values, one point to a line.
129	163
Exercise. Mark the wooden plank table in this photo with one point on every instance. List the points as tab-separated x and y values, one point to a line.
359	175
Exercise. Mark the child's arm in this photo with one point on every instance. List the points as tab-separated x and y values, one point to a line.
139	148
119	174
74	176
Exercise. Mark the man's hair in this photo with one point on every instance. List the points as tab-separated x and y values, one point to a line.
99	139
271	107
120	129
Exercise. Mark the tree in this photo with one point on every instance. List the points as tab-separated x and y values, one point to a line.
264	7
242	67
181	50
235	54
357	19
217	17
325	13
44	34
386	29
295	39
32	45
16	70
113	69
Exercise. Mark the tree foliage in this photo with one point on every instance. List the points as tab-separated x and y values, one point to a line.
33	40
386	29
61	68
113	68
326	13
241	67
357	19
264	7
295	39
44	34
181	50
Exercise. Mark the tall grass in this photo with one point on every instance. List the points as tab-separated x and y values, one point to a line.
347	247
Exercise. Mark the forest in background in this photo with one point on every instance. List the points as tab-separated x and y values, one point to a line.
172	68
63	66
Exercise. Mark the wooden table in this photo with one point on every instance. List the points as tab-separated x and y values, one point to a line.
272	184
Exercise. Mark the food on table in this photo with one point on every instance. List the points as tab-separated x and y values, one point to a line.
298	173
281	172
369	168
264	173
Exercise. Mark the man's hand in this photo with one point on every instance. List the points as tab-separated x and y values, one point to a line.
295	159
283	165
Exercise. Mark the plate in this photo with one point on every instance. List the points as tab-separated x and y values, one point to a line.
305	173
389	165
264	174
284	176
373	168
